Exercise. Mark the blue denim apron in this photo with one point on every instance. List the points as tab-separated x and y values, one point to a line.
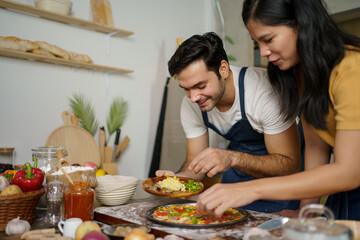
345	205
244	138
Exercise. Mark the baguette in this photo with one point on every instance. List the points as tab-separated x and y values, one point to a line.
58	52
11	45
29	45
80	57
43	52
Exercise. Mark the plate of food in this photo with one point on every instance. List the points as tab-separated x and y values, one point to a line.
173	187
185	215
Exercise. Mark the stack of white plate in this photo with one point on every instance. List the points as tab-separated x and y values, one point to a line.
56	6
115	190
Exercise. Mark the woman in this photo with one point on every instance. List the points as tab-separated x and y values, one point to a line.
315	68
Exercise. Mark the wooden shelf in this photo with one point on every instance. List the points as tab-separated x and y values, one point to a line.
8	4
60	61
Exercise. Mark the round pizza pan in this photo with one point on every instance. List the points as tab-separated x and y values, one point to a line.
150	212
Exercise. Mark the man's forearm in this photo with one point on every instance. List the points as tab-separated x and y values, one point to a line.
261	166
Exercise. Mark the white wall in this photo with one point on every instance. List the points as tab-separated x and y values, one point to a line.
33	94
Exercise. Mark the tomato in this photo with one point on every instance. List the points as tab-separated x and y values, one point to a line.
162	214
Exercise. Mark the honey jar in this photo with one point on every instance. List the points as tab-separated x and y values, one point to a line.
79	201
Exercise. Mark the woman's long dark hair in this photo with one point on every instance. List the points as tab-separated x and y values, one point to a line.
320	46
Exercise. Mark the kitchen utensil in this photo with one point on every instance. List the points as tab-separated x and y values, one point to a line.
102	141
80	144
147	184
101	12
315	228
116	144
273	223
60	155
122	145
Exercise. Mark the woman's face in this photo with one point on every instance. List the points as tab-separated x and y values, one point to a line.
277	43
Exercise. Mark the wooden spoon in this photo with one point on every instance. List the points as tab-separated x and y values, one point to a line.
60	155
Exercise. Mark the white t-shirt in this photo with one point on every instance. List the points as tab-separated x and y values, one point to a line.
262	108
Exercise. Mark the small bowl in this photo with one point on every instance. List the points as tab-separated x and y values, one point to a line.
110	229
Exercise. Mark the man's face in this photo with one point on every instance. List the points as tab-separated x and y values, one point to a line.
201	85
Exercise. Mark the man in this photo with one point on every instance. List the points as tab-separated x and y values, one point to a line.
240	105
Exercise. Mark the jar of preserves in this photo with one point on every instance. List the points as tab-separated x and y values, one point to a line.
79	201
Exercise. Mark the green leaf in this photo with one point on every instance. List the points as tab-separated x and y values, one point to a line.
231	58
83	109
229	39
117	114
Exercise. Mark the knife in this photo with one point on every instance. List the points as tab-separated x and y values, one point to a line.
116	144
102	143
273	223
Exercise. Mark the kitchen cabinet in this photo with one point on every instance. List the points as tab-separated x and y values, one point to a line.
73	21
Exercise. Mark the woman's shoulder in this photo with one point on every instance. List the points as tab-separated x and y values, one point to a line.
351	60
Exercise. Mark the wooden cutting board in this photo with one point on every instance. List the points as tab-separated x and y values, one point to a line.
79	143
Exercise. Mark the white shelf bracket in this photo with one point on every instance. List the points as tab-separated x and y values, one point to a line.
107	87
108	41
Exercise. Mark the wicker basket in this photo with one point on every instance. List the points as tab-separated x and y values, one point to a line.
19	205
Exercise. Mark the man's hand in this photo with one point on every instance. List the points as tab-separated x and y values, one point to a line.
210	161
221	197
163	173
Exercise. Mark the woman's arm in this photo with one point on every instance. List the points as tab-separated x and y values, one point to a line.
342	175
317	153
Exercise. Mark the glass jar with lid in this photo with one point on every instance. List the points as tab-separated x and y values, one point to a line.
46	157
6	159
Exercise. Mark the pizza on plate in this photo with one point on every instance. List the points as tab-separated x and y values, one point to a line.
187	214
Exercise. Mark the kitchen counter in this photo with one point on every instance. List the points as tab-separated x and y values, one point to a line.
134	212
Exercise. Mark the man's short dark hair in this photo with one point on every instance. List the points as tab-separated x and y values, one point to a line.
208	47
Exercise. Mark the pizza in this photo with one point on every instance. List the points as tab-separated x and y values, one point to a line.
187	214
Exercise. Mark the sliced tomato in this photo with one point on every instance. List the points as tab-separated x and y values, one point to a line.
181	210
162	214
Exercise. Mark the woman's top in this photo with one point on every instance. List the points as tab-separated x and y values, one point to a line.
344	88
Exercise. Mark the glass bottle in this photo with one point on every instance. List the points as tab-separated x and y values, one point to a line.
79	201
54	201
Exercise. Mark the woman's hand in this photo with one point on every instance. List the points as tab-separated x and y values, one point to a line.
221	197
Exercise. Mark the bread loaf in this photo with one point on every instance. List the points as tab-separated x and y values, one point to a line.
29	45
58	52
43	52
80	57
11	45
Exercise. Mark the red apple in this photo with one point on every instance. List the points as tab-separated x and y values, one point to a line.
86	227
94	235
90	164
